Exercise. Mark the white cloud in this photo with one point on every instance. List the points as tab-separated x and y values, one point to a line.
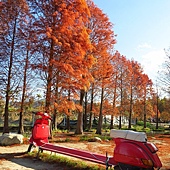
144	46
152	62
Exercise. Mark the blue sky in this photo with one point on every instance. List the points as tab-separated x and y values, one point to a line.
142	28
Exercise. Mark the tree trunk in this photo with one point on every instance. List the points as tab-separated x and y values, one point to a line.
68	123
49	79
54	122
157	111
114	102
91	108
79	128
21	126
130	110
49	84
6	114
99	126
111	122
144	119
85	113
120	121
121	101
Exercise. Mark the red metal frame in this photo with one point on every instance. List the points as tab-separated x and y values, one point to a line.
85	155
128	152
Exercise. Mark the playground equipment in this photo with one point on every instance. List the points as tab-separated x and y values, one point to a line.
132	150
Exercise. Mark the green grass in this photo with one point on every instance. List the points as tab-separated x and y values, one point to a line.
89	137
67	162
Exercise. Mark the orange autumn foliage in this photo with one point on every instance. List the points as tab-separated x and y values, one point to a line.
65	106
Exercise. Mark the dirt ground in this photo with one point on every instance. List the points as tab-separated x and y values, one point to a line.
15	157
